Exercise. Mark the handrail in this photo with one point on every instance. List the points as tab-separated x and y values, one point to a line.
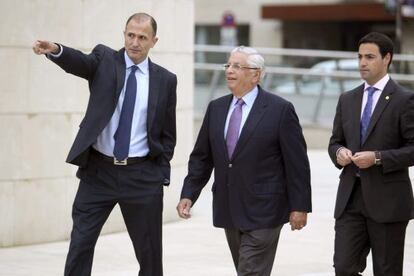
296	52
321	94
305	72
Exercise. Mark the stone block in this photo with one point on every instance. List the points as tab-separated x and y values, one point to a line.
183	65
99	28
37	146
43	19
42	105
14	80
53	90
184	26
7	213
184	137
41	206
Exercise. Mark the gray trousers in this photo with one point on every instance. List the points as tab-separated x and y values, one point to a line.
253	252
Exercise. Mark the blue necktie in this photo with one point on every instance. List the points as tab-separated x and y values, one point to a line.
366	115
123	133
233	128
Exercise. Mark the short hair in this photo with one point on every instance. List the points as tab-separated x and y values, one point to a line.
254	59
383	42
142	17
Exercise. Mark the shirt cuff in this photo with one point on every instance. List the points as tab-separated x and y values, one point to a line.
338	150
58	54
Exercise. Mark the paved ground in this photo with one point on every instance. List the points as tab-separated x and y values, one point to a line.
195	248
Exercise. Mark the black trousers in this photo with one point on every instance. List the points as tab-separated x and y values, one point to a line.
253	252
356	234
138	190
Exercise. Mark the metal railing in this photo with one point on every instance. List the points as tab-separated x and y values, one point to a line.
278	74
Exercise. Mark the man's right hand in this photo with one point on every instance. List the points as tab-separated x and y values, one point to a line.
344	156
42	47
183	208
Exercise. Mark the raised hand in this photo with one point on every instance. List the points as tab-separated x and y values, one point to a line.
41	47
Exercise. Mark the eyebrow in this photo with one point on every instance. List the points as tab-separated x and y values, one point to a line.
369	54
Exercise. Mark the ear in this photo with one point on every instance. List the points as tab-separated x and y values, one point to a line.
154	41
257	74
387	58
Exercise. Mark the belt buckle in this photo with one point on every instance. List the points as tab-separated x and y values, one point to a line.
120	162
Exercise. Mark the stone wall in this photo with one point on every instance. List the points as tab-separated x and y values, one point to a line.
41	106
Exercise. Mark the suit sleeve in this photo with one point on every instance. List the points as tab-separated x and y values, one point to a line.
200	164
169	135
337	139
403	157
75	62
296	162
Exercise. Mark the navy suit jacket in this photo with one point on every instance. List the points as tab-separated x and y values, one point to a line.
105	70
268	175
386	189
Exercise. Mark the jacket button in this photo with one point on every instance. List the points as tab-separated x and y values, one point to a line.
230	165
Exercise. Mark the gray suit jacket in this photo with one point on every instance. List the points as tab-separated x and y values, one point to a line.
386	189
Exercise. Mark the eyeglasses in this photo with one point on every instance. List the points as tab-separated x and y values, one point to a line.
238	67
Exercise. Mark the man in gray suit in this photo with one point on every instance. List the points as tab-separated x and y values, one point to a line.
124	144
373	143
254	142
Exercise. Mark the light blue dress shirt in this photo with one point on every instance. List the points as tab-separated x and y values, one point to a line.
248	99
139	142
380	85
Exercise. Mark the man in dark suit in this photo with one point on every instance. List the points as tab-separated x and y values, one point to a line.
373	143
124	145
253	141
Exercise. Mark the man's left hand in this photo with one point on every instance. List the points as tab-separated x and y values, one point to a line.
297	220
364	159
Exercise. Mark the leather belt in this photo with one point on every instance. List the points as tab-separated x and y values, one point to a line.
114	161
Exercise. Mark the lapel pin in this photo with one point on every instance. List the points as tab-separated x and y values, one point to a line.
387	98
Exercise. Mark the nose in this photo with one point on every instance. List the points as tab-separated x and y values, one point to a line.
230	69
362	62
135	42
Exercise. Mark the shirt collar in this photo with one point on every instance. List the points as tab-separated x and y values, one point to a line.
143	66
379	85
248	98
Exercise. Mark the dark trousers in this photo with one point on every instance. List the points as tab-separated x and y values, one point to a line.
356	234
253	252
138	190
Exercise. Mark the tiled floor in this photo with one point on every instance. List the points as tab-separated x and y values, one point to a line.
194	247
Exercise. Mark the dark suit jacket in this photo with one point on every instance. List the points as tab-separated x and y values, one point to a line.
268	175
386	189
105	70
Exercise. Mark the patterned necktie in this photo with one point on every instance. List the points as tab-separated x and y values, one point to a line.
123	133
234	127
366	115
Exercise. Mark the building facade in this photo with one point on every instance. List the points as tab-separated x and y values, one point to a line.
41	106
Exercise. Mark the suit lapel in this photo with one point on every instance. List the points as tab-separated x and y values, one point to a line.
356	113
380	106
222	111
153	92
120	72
253	119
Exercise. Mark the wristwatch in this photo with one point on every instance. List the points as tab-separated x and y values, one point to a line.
377	158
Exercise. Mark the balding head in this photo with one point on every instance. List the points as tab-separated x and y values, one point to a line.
142	17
